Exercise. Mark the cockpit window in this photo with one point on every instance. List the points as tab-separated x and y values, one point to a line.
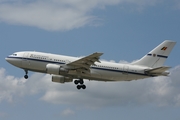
14	54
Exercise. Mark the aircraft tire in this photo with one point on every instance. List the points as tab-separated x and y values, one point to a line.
83	87
81	81
76	82
78	87
26	76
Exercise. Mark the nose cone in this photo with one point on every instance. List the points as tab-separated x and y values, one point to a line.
13	61
8	60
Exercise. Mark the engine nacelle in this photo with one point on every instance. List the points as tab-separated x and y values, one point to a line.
55	69
61	79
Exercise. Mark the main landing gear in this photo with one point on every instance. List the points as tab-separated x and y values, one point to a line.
26	76
81	84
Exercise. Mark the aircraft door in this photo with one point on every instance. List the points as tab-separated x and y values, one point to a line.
25	61
125	72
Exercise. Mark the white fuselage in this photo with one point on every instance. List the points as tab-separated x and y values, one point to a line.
103	71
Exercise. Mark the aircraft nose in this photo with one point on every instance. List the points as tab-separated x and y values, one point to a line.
8	60
13	61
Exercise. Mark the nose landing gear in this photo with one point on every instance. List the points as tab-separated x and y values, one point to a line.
26	76
81	84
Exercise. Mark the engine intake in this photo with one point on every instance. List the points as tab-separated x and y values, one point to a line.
61	79
55	69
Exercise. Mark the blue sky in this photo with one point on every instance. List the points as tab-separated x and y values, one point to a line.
123	30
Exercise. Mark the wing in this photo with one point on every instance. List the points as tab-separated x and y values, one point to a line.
83	64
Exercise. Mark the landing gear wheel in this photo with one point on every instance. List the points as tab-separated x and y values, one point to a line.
78	87
81	81
83	87
76	82
26	76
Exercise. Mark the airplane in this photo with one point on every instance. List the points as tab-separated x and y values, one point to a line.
67	68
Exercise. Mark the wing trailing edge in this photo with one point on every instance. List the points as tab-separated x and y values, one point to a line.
83	64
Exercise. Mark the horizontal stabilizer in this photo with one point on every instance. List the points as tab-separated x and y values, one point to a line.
158	71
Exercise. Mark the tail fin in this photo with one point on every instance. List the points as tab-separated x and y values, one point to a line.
157	56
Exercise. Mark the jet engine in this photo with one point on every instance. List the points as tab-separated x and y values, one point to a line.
55	69
61	79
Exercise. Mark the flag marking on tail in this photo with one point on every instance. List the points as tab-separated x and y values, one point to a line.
164	48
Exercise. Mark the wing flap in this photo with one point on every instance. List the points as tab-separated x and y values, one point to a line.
85	62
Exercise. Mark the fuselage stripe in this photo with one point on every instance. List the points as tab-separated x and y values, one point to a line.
92	67
162	56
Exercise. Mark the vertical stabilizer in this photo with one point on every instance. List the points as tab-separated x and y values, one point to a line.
157	56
